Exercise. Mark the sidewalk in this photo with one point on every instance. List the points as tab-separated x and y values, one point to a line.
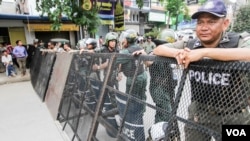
23	116
5	79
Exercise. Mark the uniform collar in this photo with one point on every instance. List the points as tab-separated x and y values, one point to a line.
224	39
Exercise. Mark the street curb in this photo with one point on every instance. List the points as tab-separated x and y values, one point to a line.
14	79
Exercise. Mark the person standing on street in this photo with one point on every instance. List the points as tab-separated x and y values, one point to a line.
109	46
213	104
163	81
149	45
133	125
21	54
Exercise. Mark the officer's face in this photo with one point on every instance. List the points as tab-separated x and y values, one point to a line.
66	47
210	28
124	43
89	46
50	46
112	43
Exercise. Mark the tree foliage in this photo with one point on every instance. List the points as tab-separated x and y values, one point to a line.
176	7
139	3
154	33
201	2
56	9
242	20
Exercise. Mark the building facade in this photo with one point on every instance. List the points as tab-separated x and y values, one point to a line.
20	21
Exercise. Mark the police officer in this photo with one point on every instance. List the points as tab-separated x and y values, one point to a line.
90	78
109	46
214	100
163	80
133	127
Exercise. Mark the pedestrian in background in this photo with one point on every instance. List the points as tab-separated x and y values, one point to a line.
7	61
149	45
140	42
10	49
100	41
21	55
31	52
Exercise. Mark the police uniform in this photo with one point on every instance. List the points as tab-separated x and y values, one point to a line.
163	79
113	81
109	103
149	46
133	128
218	96
89	83
161	87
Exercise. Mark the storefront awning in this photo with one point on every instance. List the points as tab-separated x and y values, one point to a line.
26	17
47	27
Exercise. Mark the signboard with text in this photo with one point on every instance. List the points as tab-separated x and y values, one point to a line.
106	11
119	16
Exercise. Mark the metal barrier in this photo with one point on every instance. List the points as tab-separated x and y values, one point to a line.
162	101
40	71
57	82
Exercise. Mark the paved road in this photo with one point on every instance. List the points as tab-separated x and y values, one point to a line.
24	117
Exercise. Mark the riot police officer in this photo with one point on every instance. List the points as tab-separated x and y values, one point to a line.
133	127
109	46
163	81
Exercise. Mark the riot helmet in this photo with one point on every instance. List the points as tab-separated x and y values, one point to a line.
165	36
109	37
91	41
130	35
81	44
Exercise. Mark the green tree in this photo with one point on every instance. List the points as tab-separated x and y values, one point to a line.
201	2
174	8
84	13
242	20
153	33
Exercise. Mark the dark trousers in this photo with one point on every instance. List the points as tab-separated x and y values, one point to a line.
15	62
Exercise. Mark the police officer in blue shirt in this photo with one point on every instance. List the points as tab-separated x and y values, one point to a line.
217	96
